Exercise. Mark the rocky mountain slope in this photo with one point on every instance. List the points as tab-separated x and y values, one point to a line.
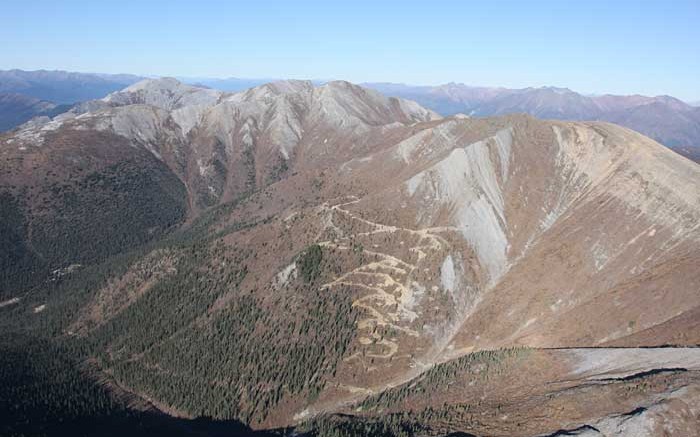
666	119
336	260
145	158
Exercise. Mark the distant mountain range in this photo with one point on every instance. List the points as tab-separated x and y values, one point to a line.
234	84
16	109
63	86
28	94
666	119
672	122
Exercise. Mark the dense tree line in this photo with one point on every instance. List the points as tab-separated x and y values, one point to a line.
41	384
483	363
108	212
310	263
445	421
48	391
196	341
85	219
238	361
391	425
19	265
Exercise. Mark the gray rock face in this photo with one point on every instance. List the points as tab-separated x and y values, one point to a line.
222	144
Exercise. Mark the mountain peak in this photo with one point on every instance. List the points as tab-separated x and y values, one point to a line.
557	90
290	86
156	83
165	92
272	90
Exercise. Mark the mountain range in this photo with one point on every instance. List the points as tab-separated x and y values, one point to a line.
16	109
666	119
63	87
28	94
326	260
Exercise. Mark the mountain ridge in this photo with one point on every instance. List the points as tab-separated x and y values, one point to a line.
664	118
62	87
361	249
16	109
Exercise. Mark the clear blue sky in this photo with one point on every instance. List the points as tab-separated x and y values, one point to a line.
617	46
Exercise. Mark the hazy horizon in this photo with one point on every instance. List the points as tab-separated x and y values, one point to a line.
193	80
594	48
